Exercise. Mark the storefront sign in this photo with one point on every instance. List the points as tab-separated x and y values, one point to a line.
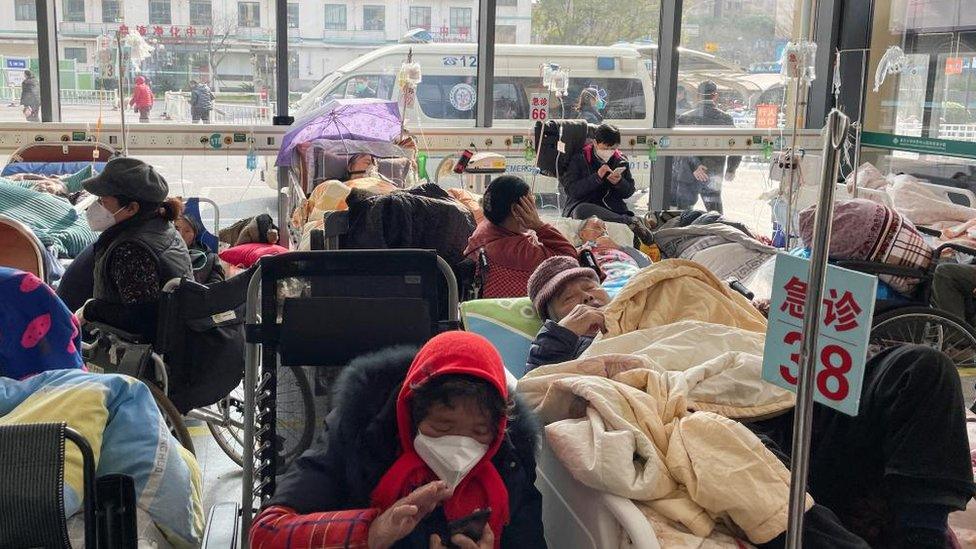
845	326
767	116
925	145
540	106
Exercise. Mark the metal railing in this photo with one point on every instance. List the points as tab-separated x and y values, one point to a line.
177	109
105	98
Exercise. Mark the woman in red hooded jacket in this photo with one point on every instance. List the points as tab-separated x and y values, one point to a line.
415	441
142	99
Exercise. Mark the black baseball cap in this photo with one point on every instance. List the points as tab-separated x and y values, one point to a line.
128	177
707	88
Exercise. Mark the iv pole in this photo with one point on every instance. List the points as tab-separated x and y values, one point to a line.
118	72
800	92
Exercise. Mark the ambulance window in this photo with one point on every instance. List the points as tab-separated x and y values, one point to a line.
510	102
448	97
624	97
364	86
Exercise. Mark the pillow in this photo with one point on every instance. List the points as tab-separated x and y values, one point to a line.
866	230
246	255
509	324
620	233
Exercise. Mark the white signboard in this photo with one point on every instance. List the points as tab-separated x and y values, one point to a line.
845	327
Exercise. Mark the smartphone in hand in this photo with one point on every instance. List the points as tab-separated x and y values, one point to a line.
471	526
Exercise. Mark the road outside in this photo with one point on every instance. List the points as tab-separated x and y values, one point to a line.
241	193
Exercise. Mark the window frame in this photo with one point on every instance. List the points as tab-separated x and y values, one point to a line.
65	55
169	12
453	18
333	26
245	6
366	21
294	22
117	11
69	16
194	13
420	9
22	6
514	34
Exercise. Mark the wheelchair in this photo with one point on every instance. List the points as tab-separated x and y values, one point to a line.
194	365
315	311
915	320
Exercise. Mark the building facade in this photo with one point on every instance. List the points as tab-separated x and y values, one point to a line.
231	42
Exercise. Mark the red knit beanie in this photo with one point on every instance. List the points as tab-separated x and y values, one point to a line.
551	276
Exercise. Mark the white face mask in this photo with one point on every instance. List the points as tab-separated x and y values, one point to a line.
604	154
450	457
99	218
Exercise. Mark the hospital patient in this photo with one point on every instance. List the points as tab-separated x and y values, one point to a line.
513	237
416	441
892	474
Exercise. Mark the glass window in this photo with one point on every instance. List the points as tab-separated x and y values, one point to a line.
160	12
74	11
79	55
293	18
25	10
605	48
419	17
932	97
374	18
201	12
736	45
197	40
505	34
728	75
335	17
249	14
461	21
367	86
110	11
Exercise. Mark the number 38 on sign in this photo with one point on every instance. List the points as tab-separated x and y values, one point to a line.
845	326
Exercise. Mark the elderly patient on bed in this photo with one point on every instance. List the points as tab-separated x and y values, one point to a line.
905	455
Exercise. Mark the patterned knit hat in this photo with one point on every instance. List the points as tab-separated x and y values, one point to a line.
550	278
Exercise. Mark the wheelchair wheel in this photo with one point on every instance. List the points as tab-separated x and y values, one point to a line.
295	415
174	420
924	326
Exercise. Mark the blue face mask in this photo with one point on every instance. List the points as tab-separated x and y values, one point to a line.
600	104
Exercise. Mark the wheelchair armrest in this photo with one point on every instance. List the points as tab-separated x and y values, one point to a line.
98	327
873	268
956	247
223	524
928	231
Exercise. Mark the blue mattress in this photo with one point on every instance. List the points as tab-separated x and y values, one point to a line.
48	168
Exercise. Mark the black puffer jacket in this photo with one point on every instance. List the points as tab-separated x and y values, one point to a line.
581	183
360	444
418	218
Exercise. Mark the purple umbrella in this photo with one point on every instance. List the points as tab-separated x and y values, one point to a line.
359	119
